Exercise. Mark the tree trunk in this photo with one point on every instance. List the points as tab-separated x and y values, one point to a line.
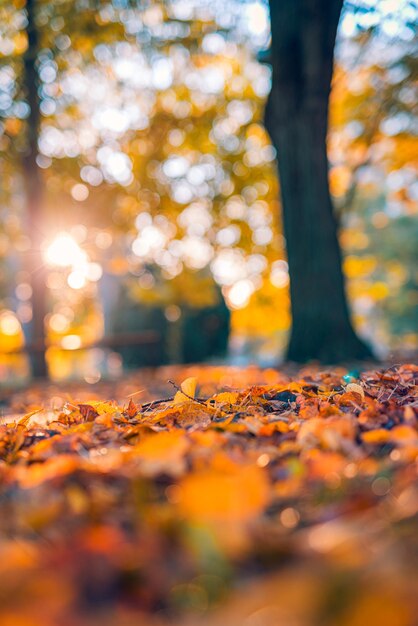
303	38
34	197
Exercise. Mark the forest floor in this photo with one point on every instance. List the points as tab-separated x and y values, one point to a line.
226	497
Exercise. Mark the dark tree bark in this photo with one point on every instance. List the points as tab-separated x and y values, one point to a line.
34	198
303	39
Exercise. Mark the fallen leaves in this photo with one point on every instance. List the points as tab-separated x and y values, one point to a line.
334	433
175	496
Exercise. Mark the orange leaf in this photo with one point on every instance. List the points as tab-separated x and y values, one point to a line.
162	452
212	495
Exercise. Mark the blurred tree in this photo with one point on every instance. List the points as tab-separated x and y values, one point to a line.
303	39
34	196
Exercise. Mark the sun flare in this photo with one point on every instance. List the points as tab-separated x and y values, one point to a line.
64	251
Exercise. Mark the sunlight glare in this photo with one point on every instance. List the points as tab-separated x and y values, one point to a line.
64	251
9	324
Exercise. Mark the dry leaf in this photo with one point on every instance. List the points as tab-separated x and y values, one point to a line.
188	387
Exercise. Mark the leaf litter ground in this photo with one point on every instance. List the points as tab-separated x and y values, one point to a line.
255	499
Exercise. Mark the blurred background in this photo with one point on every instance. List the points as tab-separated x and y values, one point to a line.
153	183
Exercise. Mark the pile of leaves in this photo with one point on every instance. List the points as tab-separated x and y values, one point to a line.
290	503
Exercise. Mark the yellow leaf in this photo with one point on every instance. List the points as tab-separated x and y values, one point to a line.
24	421
188	387
103	408
226	397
